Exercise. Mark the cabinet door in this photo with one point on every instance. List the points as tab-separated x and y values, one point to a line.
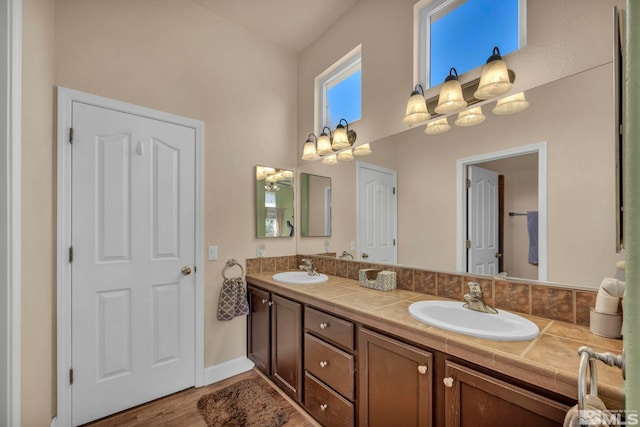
395	382
286	346
258	334
479	400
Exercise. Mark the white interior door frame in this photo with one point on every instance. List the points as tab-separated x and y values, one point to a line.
66	97
461	201
10	224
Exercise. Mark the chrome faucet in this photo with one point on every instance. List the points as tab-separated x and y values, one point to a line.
308	266
475	299
346	254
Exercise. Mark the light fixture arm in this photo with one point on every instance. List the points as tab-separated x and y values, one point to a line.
453	75
495	55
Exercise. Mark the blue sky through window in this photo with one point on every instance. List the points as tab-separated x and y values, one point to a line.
344	100
464	38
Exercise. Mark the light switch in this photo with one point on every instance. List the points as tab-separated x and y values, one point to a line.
213	253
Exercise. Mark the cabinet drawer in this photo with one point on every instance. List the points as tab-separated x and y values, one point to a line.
326	405
330	327
330	364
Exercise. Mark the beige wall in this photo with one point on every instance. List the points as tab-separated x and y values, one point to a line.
575	39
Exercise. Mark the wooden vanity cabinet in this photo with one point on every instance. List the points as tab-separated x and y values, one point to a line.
395	382
476	399
274	333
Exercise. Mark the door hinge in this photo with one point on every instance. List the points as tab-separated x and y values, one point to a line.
70	376
621	129
70	135
70	254
195	268
394	190
468	244
394	242
468	183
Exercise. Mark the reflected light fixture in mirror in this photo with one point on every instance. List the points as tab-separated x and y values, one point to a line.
437	127
451	99
362	150
416	107
324	142
511	104
330	160
471	117
345	156
309	151
494	80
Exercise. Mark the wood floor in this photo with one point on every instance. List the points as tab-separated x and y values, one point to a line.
180	409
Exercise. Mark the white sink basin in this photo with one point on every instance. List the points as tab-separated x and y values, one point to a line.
298	278
452	316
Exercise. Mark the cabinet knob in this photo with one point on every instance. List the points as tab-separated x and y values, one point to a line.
324	364
324	325
448	382
324	407
264	301
422	369
270	303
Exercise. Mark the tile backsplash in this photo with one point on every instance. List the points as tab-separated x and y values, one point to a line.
548	301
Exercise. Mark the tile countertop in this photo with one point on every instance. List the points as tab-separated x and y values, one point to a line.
550	361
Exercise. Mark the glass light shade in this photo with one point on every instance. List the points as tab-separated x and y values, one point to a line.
494	80
286	174
362	150
416	110
345	156
331	159
511	104
309	151
324	145
340	138
437	126
471	117
450	99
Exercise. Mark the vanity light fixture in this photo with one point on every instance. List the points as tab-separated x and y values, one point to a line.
342	136
362	150
309	151
471	117
416	107
494	80
345	156
511	104
324	142
451	99
330	160
437	127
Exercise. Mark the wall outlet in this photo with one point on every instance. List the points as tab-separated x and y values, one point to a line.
213	253
260	250
353	245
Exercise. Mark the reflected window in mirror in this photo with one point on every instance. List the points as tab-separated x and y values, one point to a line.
274	202
315	205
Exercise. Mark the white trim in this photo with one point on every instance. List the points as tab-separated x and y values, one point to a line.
65	99
10	210
227	369
461	202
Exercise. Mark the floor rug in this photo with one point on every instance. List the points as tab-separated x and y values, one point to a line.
243	404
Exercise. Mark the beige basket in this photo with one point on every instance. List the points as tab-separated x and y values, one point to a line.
381	280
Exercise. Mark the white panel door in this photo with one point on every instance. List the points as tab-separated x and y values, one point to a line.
377	213
482	219
133	231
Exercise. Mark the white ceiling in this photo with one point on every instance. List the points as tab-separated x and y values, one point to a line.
292	24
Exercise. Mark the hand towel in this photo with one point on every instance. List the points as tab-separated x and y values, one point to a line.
233	299
532	227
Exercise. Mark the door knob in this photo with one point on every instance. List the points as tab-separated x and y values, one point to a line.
365	255
498	255
186	270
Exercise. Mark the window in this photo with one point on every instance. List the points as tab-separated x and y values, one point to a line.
462	34
338	92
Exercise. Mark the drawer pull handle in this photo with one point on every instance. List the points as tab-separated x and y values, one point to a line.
324	325
448	382
324	364
324	407
422	369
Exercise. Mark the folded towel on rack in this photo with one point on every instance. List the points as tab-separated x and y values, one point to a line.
233	299
532	228
594	413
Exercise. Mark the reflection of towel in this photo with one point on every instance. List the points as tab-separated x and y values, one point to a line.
532	227
593	414
233	299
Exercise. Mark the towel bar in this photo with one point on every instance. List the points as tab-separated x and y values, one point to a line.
588	359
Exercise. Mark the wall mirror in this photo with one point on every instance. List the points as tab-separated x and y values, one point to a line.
274	202
315	205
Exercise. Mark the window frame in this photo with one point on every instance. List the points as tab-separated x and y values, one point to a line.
340	70
422	12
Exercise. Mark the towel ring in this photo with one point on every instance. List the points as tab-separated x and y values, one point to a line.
231	263
587	363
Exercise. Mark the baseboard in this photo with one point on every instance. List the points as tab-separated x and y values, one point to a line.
226	370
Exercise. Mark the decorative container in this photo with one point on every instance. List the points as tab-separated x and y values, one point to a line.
381	280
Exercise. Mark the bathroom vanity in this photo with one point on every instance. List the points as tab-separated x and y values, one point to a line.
354	356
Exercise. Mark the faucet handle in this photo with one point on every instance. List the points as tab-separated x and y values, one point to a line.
475	288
